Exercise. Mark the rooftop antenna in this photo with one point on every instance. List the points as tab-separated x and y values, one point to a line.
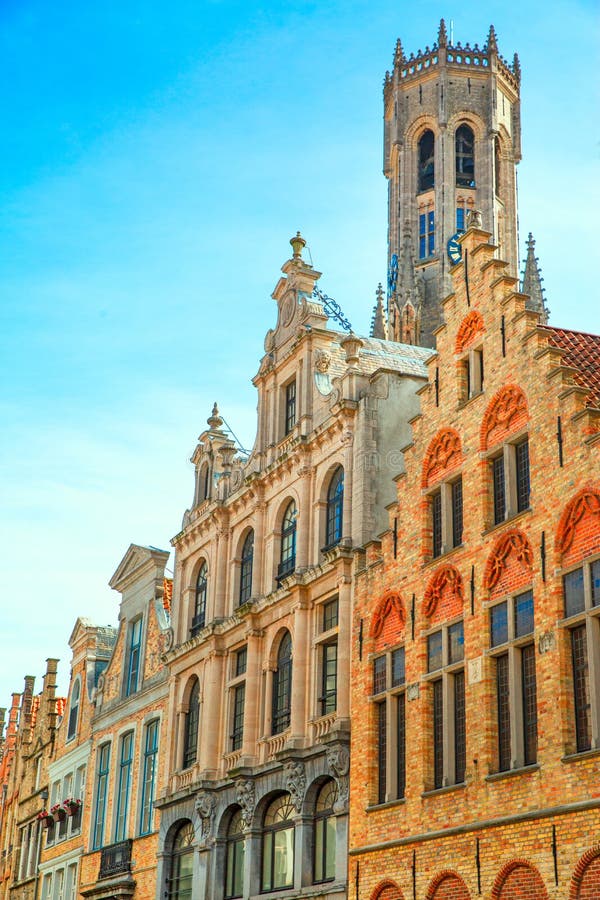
451	32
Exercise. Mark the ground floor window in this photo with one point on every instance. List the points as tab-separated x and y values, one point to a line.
182	863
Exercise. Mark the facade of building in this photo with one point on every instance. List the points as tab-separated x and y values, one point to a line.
62	843
476	689
8	789
256	800
128	738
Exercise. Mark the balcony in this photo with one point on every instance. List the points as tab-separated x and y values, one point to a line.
115	859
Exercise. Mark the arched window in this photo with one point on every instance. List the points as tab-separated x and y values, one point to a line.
324	849
204	483
246	568
282	686
287	559
465	157
199	620
190	736
426	161
74	710
278	845
182	864
234	866
335	504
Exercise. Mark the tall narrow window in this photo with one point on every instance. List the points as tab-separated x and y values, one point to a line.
282	686
446	504
78	794
149	776
234	875
133	657
335	507
445	661
278	845
182	864
246	568
460	219
426	234
522	474
74	710
192	717
124	786
465	157
329	679
389	695
325	828
237	732
199	619
436	522
511	631
497	167
101	792
581	589
287	558
426	161
499	489
290	406
510	481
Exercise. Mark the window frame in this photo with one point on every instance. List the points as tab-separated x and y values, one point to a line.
246	568
449	732
234	865
281	700
322	818
388	701
191	727
504	465
200	600
426	235
514	725
101	795
446	531
271	831
133	665
290	396
461	155
334	509
123	785
287	545
73	721
175	891
149	769
425	164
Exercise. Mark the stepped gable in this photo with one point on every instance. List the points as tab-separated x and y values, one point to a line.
582	351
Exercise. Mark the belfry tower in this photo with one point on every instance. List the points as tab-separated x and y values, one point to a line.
452	140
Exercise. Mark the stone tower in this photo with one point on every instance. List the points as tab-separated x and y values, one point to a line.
452	139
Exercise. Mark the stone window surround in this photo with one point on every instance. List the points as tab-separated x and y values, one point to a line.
444	488
320	641
389	697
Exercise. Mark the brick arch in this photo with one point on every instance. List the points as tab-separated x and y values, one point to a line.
517	879
506	413
444	595
387	890
585	882
509	565
447	885
578	532
443	455
389	615
471	326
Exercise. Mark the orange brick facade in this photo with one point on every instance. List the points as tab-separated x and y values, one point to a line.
529	828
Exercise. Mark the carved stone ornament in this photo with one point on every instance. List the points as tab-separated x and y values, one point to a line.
474	219
471	326
245	798
295	783
288	308
169	638
338	760
546	642
443	454
513	543
322	360
205	807
586	503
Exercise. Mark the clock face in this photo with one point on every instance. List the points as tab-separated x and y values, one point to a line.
454	249
393	273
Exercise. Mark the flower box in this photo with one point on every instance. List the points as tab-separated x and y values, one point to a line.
58	813
71	806
46	819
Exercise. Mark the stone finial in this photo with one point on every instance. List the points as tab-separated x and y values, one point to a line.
214	421
298	244
398	54
351	344
532	282
492	43
442	35
517	67
379	323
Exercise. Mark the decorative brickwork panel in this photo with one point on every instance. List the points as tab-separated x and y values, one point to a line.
578	533
509	564
519	880
444	595
448	886
389	619
444	454
387	891
585	884
505	415
471	326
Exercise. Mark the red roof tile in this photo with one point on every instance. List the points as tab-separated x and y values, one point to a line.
61	705
582	351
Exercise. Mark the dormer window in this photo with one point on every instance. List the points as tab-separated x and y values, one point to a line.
133	657
290	406
74	710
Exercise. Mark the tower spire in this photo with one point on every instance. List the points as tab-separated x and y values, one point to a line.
442	35
492	43
398	54
379	328
532	282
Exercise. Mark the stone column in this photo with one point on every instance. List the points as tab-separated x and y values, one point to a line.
304	517
348	443
220	587
213	697
300	664
344	641
258	576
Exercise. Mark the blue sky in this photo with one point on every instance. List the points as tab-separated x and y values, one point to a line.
156	159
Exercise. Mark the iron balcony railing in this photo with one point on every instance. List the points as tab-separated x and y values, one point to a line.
115	859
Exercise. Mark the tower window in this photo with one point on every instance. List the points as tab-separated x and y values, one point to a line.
465	157
290	406
460	219
426	234
426	161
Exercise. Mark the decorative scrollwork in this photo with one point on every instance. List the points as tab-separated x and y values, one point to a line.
470	327
507	411
391	602
587	502
338	760
295	782
443	453
245	798
513	542
332	308
205	807
445	580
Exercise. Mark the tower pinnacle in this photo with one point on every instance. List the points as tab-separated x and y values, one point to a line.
379	327
532	282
